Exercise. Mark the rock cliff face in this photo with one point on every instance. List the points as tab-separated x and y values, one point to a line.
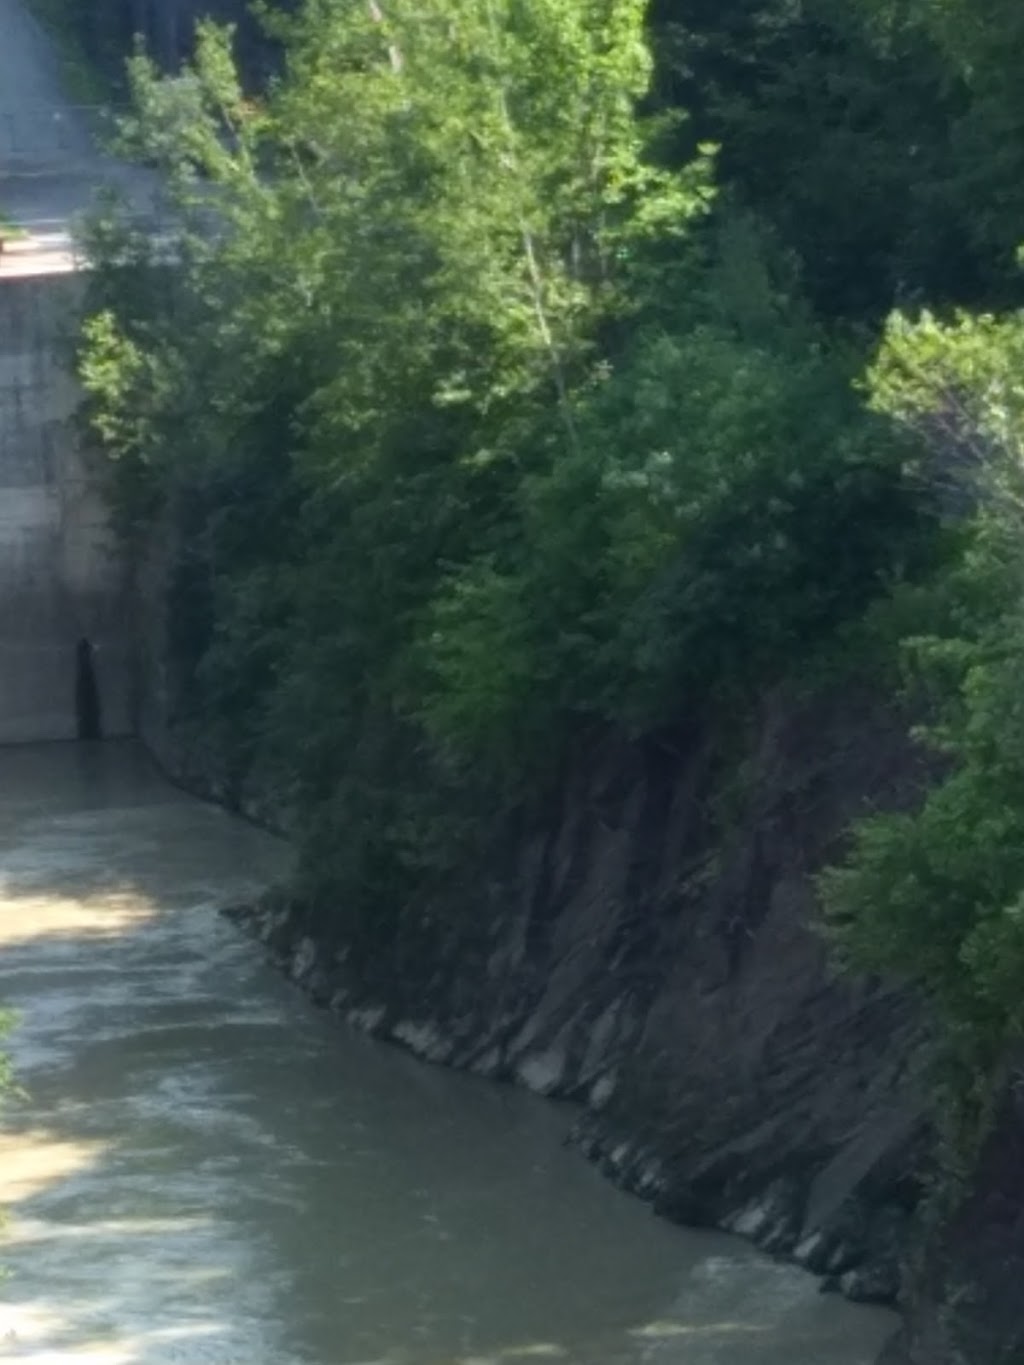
624	954
635	949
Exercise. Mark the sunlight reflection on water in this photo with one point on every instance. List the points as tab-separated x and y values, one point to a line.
206	1171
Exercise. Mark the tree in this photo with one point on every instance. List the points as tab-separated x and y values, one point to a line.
425	244
880	139
935	896
477	427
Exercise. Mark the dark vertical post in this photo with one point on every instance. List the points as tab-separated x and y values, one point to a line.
87	693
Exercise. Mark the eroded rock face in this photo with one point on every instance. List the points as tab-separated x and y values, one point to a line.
666	970
662	965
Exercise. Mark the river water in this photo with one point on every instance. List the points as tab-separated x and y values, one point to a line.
208	1171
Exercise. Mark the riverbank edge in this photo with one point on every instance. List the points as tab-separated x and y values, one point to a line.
618	954
765	1219
682	995
810	1133
826	1173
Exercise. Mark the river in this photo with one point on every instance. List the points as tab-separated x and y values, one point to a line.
208	1171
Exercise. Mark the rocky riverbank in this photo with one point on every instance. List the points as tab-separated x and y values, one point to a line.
674	982
665	969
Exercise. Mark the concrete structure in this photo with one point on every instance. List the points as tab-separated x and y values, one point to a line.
60	577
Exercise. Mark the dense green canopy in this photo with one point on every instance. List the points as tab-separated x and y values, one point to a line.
534	381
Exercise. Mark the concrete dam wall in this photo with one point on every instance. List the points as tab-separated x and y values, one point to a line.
60	576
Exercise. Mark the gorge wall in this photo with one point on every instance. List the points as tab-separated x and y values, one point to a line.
630	949
624	953
60	576
621	951
646	943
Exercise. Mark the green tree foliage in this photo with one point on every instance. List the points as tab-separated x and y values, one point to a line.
501	391
742	508
983	41
879	138
476	425
935	896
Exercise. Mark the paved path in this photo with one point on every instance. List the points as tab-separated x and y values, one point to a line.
50	163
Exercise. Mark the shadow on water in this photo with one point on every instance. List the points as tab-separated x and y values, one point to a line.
208	1171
